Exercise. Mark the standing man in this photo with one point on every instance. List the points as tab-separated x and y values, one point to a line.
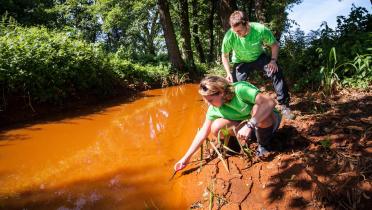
245	40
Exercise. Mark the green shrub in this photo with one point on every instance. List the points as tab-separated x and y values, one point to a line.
50	66
358	72
305	66
129	72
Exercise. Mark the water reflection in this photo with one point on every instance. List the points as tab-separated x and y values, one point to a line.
120	158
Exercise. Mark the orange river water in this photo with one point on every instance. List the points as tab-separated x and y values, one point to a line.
115	157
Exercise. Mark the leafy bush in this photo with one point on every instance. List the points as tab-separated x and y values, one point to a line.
50	66
311	61
129	72
213	69
358	72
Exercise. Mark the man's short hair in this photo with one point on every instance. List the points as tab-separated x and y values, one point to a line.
237	18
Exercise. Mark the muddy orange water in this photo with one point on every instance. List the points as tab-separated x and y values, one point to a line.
118	157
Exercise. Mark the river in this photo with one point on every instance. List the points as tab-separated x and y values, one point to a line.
113	157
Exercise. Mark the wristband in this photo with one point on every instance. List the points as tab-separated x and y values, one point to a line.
253	121
273	59
249	125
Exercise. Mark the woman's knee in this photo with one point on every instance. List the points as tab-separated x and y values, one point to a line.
267	122
219	124
215	128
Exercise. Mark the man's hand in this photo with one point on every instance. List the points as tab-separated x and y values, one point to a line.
244	133
273	67
229	77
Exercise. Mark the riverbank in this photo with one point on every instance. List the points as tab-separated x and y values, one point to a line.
324	162
21	111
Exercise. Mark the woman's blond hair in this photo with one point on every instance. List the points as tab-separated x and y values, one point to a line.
214	85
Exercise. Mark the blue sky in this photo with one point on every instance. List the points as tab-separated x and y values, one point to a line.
311	13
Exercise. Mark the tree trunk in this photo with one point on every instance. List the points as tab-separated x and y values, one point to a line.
150	29
260	11
195	31
225	8
250	8
186	35
170	38
280	21
211	28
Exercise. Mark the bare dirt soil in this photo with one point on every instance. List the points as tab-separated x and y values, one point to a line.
322	160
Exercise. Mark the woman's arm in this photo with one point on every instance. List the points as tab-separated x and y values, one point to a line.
198	139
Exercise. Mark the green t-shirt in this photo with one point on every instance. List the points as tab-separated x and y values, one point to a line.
250	47
240	106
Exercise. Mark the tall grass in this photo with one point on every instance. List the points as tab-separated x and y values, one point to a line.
354	73
330	78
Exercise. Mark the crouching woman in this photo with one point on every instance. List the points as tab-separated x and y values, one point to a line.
229	104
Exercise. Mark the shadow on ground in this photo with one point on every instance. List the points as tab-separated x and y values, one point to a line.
333	155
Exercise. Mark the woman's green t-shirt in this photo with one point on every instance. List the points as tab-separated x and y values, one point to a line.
240	106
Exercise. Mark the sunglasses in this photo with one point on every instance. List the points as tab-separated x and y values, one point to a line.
205	89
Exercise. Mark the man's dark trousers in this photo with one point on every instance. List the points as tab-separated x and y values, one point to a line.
241	72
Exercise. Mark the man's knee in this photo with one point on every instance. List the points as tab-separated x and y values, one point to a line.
239	76
241	71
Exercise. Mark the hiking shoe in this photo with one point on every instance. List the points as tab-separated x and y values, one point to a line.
261	151
287	113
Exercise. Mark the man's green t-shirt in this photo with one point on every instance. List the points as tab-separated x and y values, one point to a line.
240	106
250	47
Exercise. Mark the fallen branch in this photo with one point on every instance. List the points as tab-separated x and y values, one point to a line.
220	156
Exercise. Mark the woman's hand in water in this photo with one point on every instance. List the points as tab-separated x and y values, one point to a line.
181	164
